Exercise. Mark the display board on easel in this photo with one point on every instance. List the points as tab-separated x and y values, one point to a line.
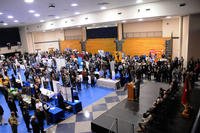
65	92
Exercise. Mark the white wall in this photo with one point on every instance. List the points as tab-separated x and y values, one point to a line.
5	50
147	26
171	27
48	36
46	46
185	35
71	33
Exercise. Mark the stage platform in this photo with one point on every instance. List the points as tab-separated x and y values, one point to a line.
129	113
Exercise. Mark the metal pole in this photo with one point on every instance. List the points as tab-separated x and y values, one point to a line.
133	127
116	125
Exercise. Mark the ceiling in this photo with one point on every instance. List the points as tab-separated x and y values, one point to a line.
19	9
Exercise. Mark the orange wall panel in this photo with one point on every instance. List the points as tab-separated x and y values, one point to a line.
106	44
72	44
142	46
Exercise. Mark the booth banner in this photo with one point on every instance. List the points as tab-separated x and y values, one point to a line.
69	93
55	86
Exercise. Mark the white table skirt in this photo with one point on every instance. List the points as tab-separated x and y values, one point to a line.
108	83
47	92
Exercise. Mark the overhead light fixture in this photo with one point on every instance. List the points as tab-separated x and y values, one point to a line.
124	21
74	4
1	13
10	17
16	21
57	17
168	17
140	19
5	24
52	5
103	8
139	1
77	13
31	11
41	21
36	15
29	1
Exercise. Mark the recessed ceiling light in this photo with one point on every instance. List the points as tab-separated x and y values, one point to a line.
10	16
41	21
31	11
103	8
76	13
5	24
140	19
16	21
124	21
139	1
57	17
36	15
29	1
74	4
1	13
168	17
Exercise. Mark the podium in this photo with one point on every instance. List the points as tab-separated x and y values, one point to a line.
130	87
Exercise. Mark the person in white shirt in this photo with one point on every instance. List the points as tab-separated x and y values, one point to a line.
38	105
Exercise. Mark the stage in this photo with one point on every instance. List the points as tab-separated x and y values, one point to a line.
129	113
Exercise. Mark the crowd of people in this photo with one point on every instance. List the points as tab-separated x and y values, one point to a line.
41	70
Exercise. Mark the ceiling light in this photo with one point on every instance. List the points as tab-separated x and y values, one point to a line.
36	15
74	4
1	13
16	21
41	21
5	24
10	16
139	1
140	19
124	21
76	13
29	1
31	11
168	17
57	17
103	8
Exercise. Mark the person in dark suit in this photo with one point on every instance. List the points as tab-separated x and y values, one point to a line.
35	124
26	116
12	105
40	117
61	103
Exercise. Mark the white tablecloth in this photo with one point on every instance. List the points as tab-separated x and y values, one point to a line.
26	98
108	83
47	92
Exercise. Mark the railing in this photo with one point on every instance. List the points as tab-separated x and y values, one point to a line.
116	128
196	125
143	34
78	37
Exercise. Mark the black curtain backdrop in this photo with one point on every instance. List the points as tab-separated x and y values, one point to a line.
9	35
107	32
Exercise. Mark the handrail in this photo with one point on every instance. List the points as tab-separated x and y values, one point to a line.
112	125
195	125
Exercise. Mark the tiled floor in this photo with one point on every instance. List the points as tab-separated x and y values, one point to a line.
81	123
